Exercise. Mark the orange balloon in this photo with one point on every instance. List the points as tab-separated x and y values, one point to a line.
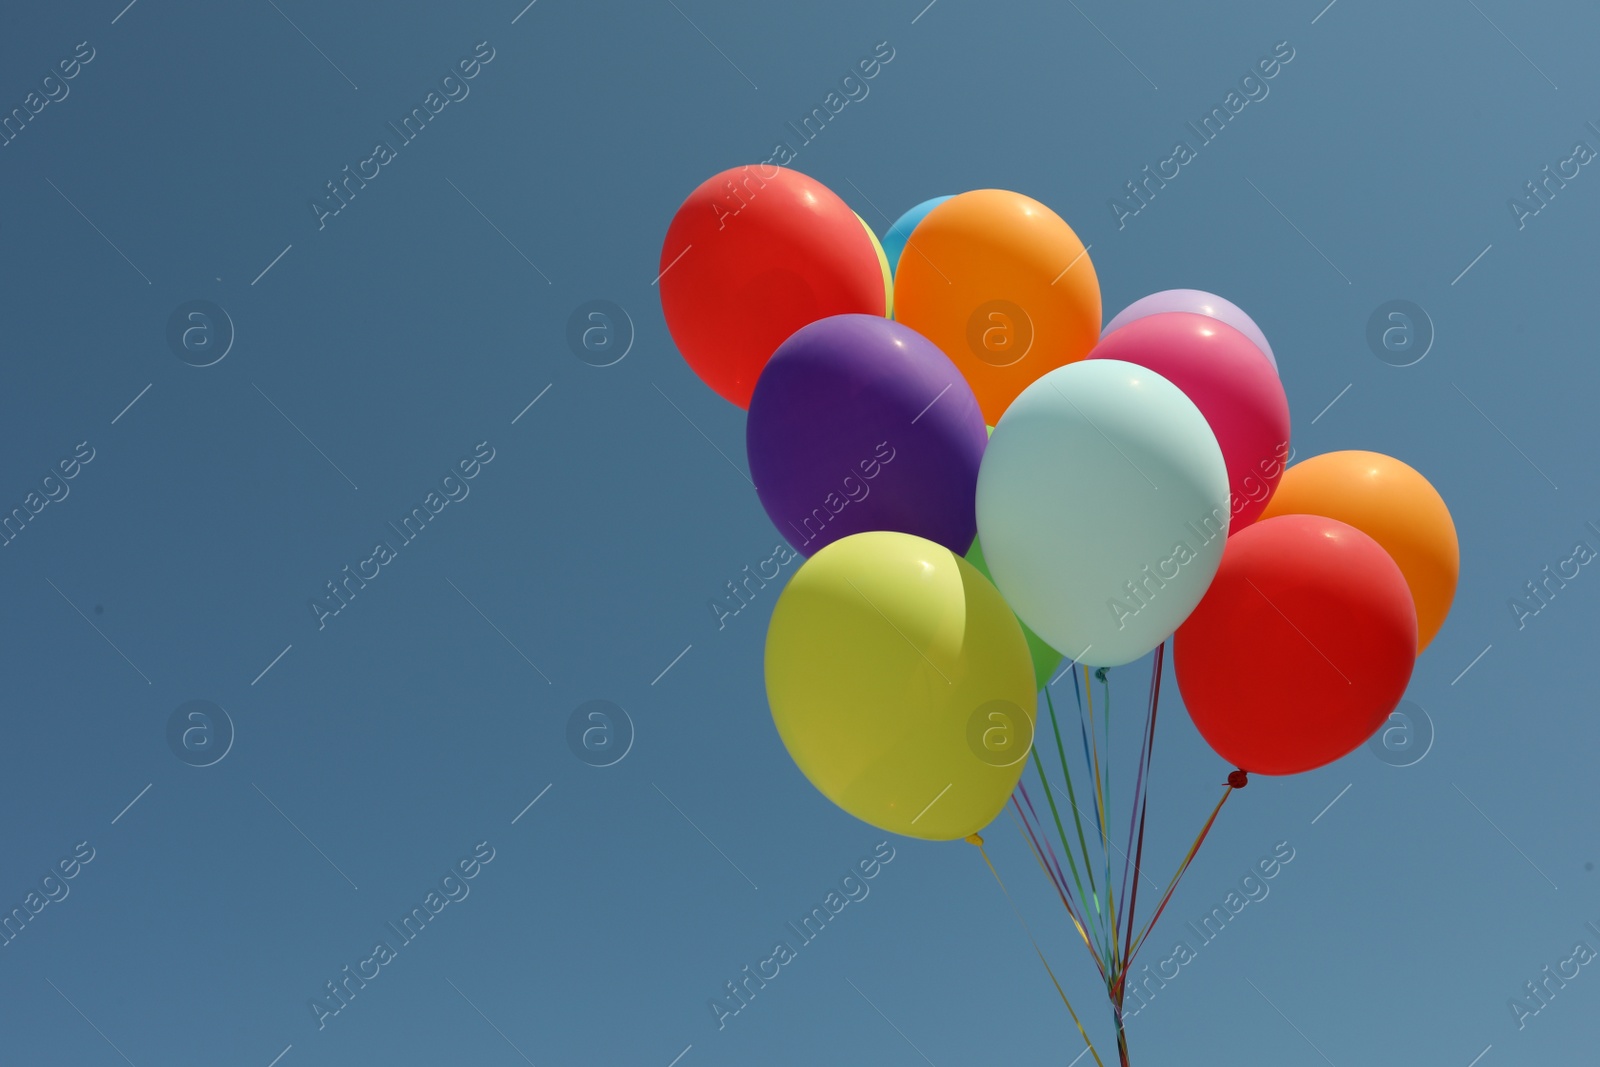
1396	507
1005	289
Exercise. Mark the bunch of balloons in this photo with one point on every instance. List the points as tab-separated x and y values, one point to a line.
984	482
1134	485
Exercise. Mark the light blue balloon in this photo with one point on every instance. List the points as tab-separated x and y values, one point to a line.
894	242
1103	509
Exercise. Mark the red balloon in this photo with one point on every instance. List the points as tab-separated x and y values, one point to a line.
754	254
1300	648
1234	385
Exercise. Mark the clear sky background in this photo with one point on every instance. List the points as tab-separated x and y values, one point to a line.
372	355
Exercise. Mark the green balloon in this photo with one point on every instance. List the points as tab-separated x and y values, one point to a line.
1045	658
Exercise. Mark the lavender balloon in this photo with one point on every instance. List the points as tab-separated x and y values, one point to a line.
1193	300
858	423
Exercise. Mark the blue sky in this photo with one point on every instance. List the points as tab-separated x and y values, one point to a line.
426	324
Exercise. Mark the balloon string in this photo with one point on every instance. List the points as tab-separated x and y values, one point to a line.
1077	819
976	840
1076	922
1112	905
1055	814
1075	912
1194	848
1142	792
1091	756
1184	866
1091	751
1035	830
1030	820
1133	811
1130	948
1099	783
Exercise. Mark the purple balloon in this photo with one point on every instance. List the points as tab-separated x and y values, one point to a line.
1193	300
860	423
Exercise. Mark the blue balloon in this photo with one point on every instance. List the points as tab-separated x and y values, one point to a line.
894	242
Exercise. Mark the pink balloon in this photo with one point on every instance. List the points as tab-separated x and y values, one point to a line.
1232	383
1200	303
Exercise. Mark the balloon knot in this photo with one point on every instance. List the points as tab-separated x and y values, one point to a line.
1238	779
1100	673
974	839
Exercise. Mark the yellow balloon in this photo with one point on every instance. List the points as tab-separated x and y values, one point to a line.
901	684
883	265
